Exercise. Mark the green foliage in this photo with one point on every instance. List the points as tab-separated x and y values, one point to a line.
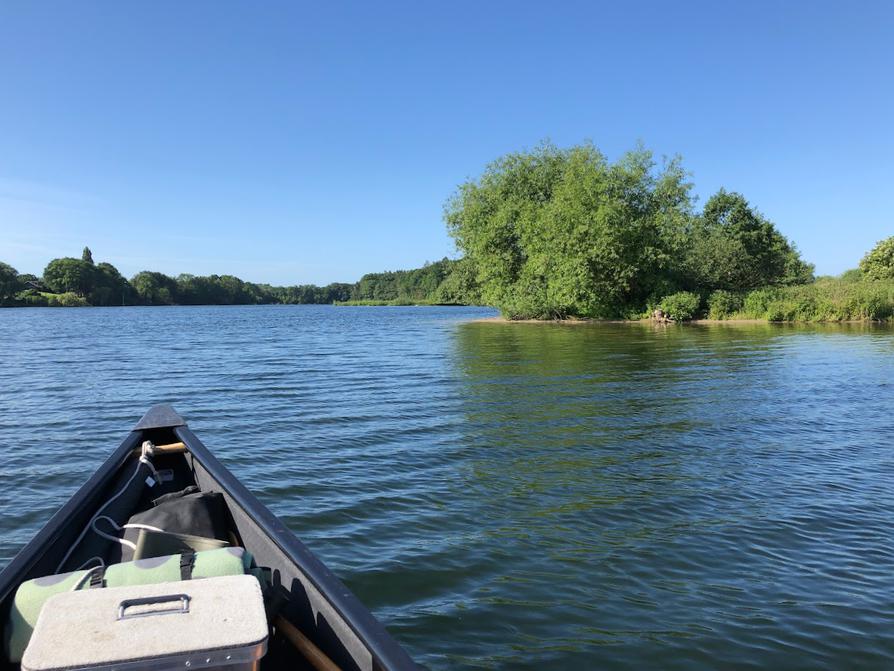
407	285
70	275
31	298
154	288
26	279
826	300
852	275
733	247
110	287
460	286
564	232
723	304
87	256
878	264
10	284
68	299
681	306
758	302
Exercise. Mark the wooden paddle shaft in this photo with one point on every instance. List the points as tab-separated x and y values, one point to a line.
305	646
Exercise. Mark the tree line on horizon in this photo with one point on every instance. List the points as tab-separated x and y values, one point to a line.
70	282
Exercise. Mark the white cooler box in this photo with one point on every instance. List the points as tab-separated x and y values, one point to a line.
208	623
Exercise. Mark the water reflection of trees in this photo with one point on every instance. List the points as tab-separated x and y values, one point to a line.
564	421
579	448
612	471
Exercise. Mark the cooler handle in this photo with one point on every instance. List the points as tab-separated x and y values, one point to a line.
183	599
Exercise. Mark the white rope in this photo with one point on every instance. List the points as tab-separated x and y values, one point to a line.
145	455
120	527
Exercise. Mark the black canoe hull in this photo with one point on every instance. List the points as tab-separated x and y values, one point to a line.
318	603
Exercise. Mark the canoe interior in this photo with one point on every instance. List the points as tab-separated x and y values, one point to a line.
315	600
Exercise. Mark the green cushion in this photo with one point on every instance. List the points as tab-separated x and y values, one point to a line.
31	595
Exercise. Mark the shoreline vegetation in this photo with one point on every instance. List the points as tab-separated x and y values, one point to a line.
72	282
545	235
564	234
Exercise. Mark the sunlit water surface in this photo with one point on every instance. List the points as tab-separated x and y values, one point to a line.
511	495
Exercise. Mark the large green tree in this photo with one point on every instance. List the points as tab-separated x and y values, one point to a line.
734	247
154	288
110	287
557	232
69	274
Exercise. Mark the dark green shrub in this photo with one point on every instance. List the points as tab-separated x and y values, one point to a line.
681	306
870	301
66	300
757	302
31	298
723	304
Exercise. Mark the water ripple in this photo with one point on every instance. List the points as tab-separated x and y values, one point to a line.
511	496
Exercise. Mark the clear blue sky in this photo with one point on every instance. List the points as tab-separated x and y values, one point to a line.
312	142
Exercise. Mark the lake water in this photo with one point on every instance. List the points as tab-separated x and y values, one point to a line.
511	495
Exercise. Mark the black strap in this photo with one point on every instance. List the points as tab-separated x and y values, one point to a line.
98	577
187	563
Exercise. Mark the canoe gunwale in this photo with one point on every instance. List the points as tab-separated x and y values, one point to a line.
60	524
64	525
386	652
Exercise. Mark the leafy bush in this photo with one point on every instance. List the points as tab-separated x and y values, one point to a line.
871	302
66	300
826	300
878	264
723	304
681	306
757	303
31	298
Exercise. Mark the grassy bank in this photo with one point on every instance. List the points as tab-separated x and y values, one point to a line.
825	300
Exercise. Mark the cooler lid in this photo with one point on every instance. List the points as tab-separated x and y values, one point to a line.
172	625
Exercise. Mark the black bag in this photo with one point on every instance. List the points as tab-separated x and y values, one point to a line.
189	512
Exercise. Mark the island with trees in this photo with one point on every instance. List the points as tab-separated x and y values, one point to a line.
565	233
549	234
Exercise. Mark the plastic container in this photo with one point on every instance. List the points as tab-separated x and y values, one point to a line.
208	623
